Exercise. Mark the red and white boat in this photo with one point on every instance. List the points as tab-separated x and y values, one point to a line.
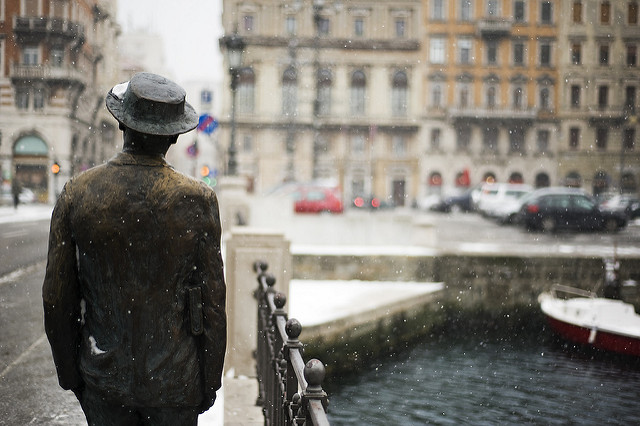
606	324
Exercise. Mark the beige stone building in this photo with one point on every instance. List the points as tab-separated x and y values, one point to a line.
599	83
419	97
329	90
57	60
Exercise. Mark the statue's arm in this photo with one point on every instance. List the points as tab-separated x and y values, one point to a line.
61	297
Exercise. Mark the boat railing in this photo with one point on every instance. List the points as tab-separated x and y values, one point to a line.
574	291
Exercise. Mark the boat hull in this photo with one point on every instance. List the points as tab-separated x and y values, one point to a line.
598	339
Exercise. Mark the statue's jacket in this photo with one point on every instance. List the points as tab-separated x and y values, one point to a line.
128	240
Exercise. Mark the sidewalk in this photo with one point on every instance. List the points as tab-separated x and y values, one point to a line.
25	213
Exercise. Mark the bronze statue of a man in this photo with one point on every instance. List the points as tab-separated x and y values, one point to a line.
134	292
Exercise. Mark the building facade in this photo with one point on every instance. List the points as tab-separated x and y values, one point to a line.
491	92
328	91
58	58
599	84
402	99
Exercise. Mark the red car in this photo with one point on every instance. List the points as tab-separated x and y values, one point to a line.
317	200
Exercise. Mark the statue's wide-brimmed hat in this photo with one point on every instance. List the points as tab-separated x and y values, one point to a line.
152	104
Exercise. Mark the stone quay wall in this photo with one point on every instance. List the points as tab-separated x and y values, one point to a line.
481	294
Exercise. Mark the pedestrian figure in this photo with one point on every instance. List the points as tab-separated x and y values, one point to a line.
134	293
16	190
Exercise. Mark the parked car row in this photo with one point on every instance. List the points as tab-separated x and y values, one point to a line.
547	209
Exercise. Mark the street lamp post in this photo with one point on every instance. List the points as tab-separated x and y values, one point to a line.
235	48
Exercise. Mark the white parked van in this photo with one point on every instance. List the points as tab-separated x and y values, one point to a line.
501	200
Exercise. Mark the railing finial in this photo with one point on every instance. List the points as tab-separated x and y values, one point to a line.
314	373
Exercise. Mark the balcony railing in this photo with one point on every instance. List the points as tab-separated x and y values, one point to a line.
47	73
494	27
493	113
290	391
45	25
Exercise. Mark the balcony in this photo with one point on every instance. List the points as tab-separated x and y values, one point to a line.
499	114
48	74
32	28
494	27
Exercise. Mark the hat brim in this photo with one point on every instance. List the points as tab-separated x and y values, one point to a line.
187	122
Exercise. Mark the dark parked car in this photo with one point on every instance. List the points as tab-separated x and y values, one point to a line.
551	209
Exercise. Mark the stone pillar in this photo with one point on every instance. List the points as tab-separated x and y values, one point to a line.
244	246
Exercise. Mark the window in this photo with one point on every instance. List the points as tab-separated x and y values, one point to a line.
602	134
491	97
324	92
358	27
398	146
574	138
519	11
576	53
493	8
290	25
630	99
492	52
399	94
546	12
629	139
22	98
575	96
436	96
466	10
632	55
401	27
1	56
542	141
545	99
463	96
323	26
518	53
603	54
603	96
57	57
247	23
518	98
438	10
605	13
516	140
437	50
434	142
463	138
465	53
490	139
357	145
358	92
632	13
246	90
38	99
545	53
289	92
30	55
576	12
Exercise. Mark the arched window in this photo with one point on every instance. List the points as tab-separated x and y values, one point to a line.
518	98
246	90
399	94
516	177
324	91
573	180
289	92
601	182
489	177
358	92
542	180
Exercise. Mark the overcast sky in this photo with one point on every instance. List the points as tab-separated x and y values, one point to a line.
190	30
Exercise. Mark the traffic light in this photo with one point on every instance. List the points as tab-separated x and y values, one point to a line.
55	168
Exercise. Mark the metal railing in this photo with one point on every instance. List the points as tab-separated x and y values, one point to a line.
290	391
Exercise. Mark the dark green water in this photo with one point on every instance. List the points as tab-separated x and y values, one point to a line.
487	382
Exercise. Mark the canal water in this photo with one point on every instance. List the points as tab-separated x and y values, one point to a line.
480	380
